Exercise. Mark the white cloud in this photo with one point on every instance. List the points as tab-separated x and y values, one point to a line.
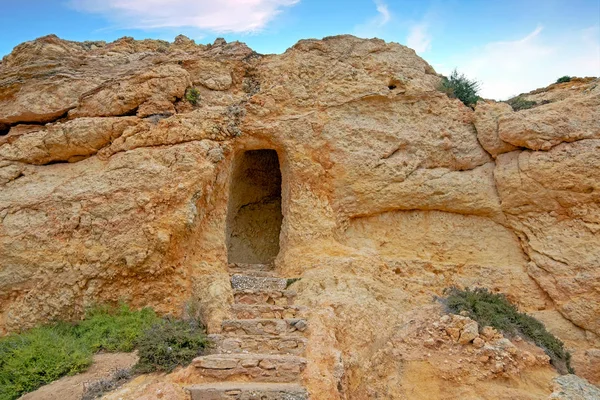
373	27
419	38
508	68
384	13
219	16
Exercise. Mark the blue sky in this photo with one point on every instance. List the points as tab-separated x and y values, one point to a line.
510	46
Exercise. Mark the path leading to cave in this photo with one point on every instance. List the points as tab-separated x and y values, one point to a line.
258	355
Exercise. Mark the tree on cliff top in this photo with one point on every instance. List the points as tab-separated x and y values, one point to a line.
458	86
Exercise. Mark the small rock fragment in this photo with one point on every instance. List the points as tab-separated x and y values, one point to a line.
469	332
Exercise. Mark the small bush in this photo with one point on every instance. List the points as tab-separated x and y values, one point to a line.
168	344
42	355
490	309
519	103
39	356
114	329
99	388
192	95
460	87
564	79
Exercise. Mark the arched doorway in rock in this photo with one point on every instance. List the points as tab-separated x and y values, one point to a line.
254	214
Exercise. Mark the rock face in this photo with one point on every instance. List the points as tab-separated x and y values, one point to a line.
115	184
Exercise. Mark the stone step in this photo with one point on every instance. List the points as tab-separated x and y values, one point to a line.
247	391
251	268
250	272
252	311
273	326
255	367
262	344
247	282
273	297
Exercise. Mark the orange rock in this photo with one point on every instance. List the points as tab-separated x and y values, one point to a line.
390	192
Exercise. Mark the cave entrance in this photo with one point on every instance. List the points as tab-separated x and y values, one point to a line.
254	212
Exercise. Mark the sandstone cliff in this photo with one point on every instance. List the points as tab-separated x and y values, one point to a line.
114	187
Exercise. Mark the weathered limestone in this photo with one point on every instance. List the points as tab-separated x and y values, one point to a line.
125	94
486	123
543	128
246	282
265	270
248	391
263	344
258	368
275	297
114	187
572	387
552	201
266	311
70	141
253	348
291	326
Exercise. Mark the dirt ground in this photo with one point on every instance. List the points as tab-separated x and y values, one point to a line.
71	387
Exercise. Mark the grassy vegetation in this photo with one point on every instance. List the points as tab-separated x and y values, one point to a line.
460	87
192	95
519	103
564	79
113	330
41	355
490	309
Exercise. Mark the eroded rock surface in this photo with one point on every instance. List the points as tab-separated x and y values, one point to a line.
115	186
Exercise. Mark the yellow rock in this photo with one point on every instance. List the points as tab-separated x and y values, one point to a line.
114	187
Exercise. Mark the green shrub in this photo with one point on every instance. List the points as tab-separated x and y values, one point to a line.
114	329
170	343
519	103
192	95
460	87
39	356
564	79
490	309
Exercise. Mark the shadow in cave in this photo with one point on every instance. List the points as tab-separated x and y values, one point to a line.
254	212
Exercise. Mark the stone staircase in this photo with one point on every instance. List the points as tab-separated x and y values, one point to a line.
259	354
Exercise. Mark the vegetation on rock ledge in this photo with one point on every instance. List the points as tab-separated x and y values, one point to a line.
490	309
460	87
519	103
192	95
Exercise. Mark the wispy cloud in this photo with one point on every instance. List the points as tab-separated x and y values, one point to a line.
384	12
373	27
508	68
222	16
419	37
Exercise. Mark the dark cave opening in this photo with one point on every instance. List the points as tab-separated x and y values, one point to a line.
254	211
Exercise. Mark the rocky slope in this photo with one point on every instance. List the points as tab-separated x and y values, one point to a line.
114	187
